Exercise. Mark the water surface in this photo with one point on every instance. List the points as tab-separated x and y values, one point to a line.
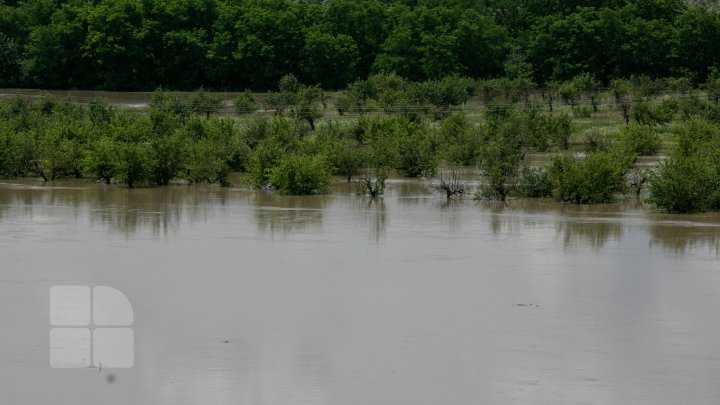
248	297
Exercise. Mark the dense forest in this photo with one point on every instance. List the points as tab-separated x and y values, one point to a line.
251	44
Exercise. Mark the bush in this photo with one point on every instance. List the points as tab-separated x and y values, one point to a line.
689	179
16	152
685	184
640	139
282	140
592	180
451	183
371	182
245	103
460	141
134	163
582	111
416	157
500	161
100	160
598	140
203	102
301	175
206	163
535	182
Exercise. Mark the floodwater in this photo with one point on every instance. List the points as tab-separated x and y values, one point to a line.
248	297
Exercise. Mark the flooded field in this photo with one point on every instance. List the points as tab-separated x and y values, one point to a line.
249	297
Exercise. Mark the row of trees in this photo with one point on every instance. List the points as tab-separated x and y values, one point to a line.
173	140
238	44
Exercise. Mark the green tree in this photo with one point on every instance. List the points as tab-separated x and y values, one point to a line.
328	60
245	103
301	175
9	62
203	102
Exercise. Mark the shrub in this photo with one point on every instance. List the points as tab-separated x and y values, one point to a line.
582	111
500	162
134	163
100	160
16	152
416	157
206	163
245	103
301	175
685	184
689	179
206	103
173	103
371	182
592	180
168	157
461	142
640	139
451	183
535	182
283	139
598	140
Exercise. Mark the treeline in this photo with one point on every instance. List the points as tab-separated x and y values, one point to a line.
183	139
239	44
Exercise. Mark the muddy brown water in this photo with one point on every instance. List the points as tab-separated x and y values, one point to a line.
249	297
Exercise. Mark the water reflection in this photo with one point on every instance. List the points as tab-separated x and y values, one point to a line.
374	216
161	211
280	215
594	233
680	238
256	297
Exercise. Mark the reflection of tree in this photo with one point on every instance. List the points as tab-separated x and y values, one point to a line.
374	214
452	213
505	219
595	232
411	189
158	209
577	224
678	238
276	213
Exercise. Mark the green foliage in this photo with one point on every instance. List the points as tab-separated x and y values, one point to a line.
100	160
416	155
223	44
640	139
283	139
592	180
9	61
582	112
569	92
461	142
342	151
134	163
167	102
689	179
372	182
535	182
686	184
301	175
206	103
712	84
328	60
500	161
207	162
245	103
16	152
